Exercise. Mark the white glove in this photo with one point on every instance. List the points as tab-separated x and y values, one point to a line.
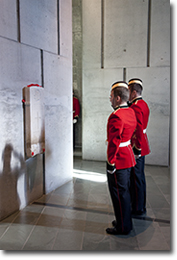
74	121
137	156
111	172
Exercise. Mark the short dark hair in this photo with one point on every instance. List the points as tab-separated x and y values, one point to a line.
122	92
134	85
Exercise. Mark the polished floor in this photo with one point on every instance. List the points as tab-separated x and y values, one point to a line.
75	216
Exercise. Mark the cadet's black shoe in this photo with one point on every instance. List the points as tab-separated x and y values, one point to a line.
114	222
114	231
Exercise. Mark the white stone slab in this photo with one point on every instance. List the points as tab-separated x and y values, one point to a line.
34	120
38	21
96	110
160	33
8	19
156	82
58	120
125	41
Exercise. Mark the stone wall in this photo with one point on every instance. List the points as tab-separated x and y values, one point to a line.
36	47
124	39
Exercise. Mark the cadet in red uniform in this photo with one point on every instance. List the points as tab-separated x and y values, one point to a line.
140	146
120	158
76	111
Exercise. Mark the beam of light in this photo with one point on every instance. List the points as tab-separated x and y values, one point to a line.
90	176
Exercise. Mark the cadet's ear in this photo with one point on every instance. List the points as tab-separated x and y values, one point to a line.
134	93
118	98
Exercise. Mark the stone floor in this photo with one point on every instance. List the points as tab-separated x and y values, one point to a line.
75	216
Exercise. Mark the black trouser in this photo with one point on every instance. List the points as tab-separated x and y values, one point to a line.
119	187
138	186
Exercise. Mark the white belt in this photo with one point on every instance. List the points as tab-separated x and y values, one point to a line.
144	131
124	144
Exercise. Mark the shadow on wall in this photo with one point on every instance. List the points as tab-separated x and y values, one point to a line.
9	198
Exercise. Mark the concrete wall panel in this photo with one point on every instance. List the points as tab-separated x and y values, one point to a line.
157	94
96	110
19	66
77	64
160	33
77	15
39	24
65	28
125	41
22	63
8	19
91	15
58	120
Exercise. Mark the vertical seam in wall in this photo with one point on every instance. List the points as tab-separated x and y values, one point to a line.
58	25
44	185
24	131
102	34
149	33
124	74
18	20
42	83
42	69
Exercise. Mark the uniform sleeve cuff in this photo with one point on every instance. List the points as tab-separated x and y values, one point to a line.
136	151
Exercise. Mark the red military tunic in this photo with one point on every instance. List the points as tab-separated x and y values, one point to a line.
120	127
139	139
76	107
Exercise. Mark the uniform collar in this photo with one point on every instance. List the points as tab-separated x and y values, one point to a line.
136	99
120	106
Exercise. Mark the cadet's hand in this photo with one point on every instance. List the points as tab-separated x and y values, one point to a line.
74	121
